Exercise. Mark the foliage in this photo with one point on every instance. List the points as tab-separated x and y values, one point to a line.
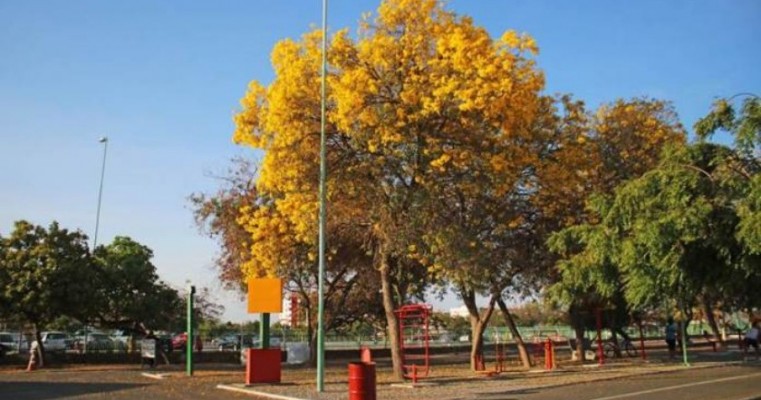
422	104
536	313
455	325
745	126
129	288
45	273
205	309
668	234
216	215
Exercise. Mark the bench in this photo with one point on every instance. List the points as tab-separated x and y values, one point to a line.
711	340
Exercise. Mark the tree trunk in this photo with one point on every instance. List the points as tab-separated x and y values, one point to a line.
708	311
312	337
478	325
522	352
41	349
578	328
392	324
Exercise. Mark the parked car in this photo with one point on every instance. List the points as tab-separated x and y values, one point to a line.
227	342
10	341
95	341
121	339
55	341
180	340
233	342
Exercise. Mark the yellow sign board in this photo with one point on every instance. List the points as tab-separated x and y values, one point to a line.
265	295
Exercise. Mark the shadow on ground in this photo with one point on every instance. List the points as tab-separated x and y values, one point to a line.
57	390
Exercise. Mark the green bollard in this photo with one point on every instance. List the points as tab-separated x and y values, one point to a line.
189	342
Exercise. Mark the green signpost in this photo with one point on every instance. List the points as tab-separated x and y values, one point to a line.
189	341
264	331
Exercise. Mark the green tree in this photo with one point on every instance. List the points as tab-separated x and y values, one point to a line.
745	127
670	235
131	294
45	273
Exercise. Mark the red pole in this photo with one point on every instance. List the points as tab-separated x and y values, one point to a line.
600	352
552	353
641	341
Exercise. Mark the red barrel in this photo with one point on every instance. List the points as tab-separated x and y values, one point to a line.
361	381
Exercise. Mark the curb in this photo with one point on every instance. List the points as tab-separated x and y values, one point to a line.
241	388
155	376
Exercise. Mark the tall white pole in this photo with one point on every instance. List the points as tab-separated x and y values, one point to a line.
103	140
322	238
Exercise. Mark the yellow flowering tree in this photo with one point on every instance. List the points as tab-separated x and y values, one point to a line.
422	104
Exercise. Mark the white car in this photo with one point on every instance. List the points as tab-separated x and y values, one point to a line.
55	341
8	343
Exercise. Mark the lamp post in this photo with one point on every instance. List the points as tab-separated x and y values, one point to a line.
103	140
322	233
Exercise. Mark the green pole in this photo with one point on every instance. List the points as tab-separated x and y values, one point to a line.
264	331
189	342
683	330
323	177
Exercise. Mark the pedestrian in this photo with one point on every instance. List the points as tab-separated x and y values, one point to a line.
751	339
198	344
151	336
671	337
35	357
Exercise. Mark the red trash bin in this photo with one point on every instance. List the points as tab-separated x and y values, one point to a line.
362	381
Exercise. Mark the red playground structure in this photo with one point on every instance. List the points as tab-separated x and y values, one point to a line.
415	337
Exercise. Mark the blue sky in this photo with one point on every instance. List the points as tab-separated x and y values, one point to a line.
163	79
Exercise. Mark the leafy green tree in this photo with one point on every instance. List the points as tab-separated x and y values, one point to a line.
45	273
745	127
625	139
670	235
131	294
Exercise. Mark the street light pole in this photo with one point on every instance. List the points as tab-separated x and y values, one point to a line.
103	140
323	190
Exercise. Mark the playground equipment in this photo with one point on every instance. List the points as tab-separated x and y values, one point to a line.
415	339
499	359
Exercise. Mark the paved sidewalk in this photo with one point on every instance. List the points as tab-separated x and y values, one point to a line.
449	381
455	382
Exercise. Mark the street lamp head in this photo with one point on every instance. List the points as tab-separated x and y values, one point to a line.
103	139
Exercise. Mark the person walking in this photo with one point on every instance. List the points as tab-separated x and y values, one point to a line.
751	339
671	337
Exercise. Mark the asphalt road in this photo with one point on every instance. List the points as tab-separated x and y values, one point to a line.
722	383
739	382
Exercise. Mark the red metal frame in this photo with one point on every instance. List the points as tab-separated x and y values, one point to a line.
415	339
